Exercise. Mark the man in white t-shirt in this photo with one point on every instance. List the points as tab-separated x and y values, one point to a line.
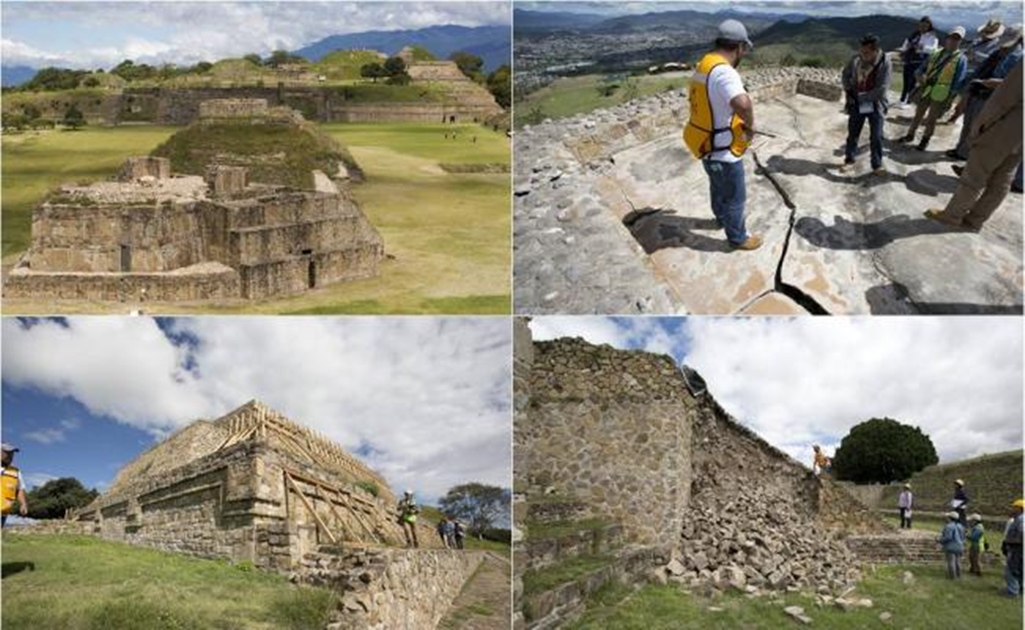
724	165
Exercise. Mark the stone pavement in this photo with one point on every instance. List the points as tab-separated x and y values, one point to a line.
484	602
612	215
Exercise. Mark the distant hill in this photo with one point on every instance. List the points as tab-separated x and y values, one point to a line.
527	22
16	75
677	21
833	39
491	43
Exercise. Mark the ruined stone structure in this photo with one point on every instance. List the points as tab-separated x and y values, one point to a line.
255	486
156	236
612	215
616	459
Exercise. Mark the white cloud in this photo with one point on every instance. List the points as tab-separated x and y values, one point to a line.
198	31
36	479
53	434
428	397
806	380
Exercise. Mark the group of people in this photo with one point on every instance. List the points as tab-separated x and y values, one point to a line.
964	531
451	532
985	77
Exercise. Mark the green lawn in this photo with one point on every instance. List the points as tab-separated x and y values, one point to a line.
83	583
446	235
37	161
931	602
568	96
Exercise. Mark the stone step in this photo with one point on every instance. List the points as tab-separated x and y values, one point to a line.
548	545
555	606
555	510
907	548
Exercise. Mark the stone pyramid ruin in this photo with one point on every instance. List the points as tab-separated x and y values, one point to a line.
621	468
210	234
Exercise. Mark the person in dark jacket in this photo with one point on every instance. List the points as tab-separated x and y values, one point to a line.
960	502
914	52
866	80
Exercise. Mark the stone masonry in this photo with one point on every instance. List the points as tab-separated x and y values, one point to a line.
620	435
154	236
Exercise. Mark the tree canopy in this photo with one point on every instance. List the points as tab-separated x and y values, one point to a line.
54	497
479	505
882	450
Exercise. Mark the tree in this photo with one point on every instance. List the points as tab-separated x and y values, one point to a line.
56	496
500	85
254	59
469	64
373	71
882	450
282	57
73	118
477	504
395	70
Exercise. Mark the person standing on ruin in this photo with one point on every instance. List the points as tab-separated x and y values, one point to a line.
952	539
960	501
939	81
821	464
914	52
976	544
996	151
408	511
720	129
460	533
1011	548
866	80
441	530
904	502
13	485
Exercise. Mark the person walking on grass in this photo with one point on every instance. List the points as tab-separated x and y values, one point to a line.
720	129
939	81
952	539
1011	548
460	533
976	544
866	80
904	502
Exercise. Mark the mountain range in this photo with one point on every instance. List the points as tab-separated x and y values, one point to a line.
490	43
528	22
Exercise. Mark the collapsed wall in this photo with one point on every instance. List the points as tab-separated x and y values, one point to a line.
618	435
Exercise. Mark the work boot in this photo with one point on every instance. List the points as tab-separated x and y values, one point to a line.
957	168
906	139
940	217
954	155
753	242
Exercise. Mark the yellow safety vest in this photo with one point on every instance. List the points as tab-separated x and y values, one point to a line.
937	87
10	488
700	131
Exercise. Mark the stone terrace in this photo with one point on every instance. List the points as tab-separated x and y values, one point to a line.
612	215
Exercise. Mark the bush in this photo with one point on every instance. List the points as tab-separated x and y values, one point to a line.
813	62
303	609
882	450
369	486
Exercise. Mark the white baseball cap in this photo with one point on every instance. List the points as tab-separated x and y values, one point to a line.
734	31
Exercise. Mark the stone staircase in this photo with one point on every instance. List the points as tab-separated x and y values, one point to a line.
907	547
569	555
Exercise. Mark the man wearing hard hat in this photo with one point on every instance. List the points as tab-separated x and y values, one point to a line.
1012	549
13	486
408	511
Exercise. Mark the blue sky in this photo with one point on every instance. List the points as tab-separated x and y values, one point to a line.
102	34
423	400
945	14
806	380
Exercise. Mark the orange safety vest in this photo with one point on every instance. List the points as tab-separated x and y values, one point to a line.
699	134
9	484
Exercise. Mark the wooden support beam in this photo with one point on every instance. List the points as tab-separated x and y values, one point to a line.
309	507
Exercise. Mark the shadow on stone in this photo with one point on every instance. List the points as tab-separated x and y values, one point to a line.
930	183
657	229
882	299
844	234
11	568
801	167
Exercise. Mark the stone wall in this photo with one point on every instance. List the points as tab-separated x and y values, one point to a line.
202	283
408	112
609	428
392	589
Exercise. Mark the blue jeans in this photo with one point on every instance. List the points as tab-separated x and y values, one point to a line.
910	67
855	124
1017	179
1012	572
726	187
